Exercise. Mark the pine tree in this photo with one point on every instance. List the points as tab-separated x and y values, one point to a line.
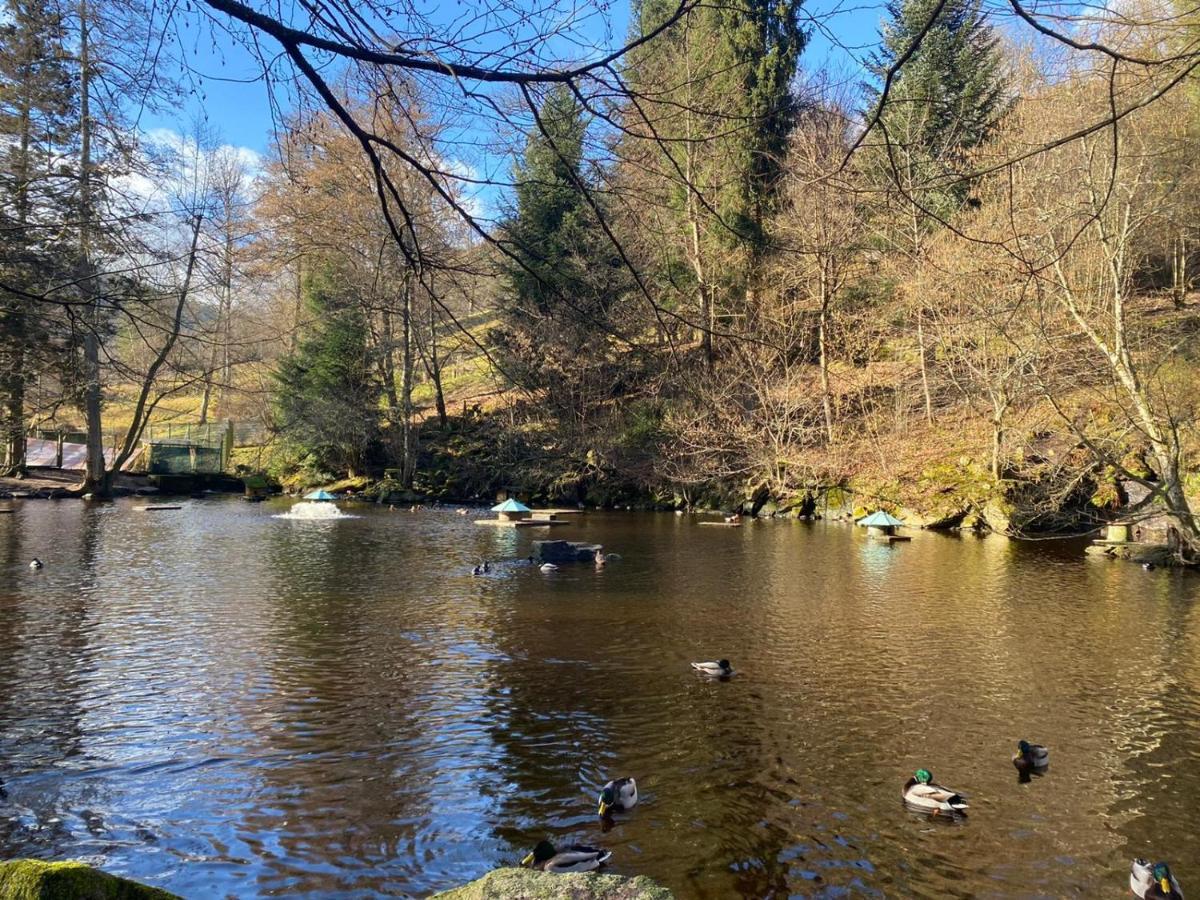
947	98
716	108
327	398
37	96
566	276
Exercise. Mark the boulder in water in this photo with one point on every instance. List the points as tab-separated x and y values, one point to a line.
527	884
33	879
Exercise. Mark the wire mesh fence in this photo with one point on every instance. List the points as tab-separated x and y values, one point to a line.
167	448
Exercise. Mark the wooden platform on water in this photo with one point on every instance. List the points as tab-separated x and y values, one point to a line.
521	523
890	538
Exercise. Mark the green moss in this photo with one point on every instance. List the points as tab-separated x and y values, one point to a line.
33	879
525	884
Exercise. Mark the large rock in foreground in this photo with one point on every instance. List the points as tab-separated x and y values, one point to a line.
33	879
526	884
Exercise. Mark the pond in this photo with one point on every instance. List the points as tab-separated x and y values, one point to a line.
228	704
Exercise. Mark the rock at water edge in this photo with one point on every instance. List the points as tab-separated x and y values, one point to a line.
526	884
34	879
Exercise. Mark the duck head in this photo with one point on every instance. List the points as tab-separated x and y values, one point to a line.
923	776
1023	747
724	664
1162	875
542	852
608	797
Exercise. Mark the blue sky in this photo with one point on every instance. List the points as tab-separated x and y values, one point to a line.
224	78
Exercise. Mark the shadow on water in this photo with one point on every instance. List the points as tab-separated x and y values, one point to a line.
229	704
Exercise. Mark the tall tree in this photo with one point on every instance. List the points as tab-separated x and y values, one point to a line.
37	95
945	97
564	278
327	402
707	124
940	91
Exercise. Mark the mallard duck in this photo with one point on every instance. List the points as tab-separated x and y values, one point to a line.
1155	881
719	669
548	567
922	794
478	570
36	563
1030	757
575	858
619	795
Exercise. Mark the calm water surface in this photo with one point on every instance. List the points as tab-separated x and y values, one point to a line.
228	704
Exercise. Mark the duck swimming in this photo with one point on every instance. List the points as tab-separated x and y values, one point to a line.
548	568
1153	882
619	795
36	564
921	794
1031	758
576	858
719	669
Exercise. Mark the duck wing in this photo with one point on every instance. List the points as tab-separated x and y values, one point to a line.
577	858
935	793
627	794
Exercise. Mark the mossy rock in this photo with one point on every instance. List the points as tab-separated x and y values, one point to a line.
33	879
526	884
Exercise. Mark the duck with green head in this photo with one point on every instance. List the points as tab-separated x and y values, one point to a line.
619	795
923	795
576	858
1153	882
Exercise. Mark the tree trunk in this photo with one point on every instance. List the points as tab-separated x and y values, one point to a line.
17	324
143	408
1179	272
221	331
387	365
435	364
703	293
924	366
408	465
95	481
823	352
298	310
997	442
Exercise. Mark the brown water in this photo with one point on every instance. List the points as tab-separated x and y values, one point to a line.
223	703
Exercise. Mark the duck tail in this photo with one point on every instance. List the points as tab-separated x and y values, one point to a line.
957	802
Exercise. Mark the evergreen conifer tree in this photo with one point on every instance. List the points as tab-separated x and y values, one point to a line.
947	98
327	398
37	97
566	276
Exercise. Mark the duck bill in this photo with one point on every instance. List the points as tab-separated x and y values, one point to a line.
604	808
1165	884
528	860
